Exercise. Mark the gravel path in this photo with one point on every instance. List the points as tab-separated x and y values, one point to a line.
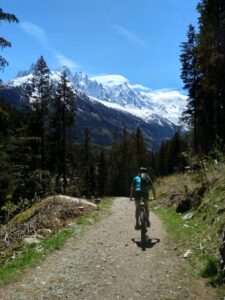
107	262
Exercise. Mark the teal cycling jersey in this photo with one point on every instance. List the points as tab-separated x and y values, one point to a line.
141	183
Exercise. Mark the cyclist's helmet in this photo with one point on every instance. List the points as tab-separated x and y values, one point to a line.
143	170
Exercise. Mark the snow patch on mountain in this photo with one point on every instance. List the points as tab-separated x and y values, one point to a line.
169	104
145	114
115	91
110	80
139	87
141	100
19	81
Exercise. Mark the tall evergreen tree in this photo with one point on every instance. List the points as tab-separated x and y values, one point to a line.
62	113
191	79
87	170
102	174
161	161
113	165
123	168
173	154
140	148
212	61
40	99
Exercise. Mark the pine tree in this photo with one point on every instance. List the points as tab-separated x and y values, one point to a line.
212	60
125	159
87	170
10	172
102	174
140	148
173	154
113	165
161	160
191	79
62	113
3	42
39	101
123	167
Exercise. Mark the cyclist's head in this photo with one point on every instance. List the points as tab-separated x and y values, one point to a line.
143	170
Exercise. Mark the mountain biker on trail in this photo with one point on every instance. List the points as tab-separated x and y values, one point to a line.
140	187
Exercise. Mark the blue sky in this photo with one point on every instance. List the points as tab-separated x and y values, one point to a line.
138	39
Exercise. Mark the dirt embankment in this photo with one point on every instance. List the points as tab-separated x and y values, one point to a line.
107	262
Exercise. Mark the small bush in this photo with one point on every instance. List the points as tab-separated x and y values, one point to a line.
211	268
212	271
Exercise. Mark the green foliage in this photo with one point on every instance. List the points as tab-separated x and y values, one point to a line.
170	156
6	17
8	210
211	268
218	150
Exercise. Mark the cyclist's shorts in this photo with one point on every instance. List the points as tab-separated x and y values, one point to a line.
139	194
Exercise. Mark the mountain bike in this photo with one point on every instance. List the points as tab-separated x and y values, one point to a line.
143	223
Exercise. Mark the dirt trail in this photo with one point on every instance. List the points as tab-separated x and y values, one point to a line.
107	263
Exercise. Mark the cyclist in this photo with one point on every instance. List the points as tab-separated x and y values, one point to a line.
140	187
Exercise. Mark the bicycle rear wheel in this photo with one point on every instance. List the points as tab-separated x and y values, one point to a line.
143	228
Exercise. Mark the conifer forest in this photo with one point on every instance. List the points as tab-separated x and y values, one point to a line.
40	156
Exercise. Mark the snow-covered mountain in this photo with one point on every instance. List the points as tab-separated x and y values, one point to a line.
108	104
116	92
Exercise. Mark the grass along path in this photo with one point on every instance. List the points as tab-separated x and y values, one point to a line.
202	234
192	235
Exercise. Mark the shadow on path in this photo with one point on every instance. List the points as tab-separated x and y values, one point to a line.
149	244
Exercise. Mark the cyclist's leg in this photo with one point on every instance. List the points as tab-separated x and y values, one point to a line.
146	199
137	211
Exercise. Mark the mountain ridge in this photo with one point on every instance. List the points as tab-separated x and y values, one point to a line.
106	104
135	99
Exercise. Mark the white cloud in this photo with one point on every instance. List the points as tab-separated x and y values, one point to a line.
35	31
129	35
65	61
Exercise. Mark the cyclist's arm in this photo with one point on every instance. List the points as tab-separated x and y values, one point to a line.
152	188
